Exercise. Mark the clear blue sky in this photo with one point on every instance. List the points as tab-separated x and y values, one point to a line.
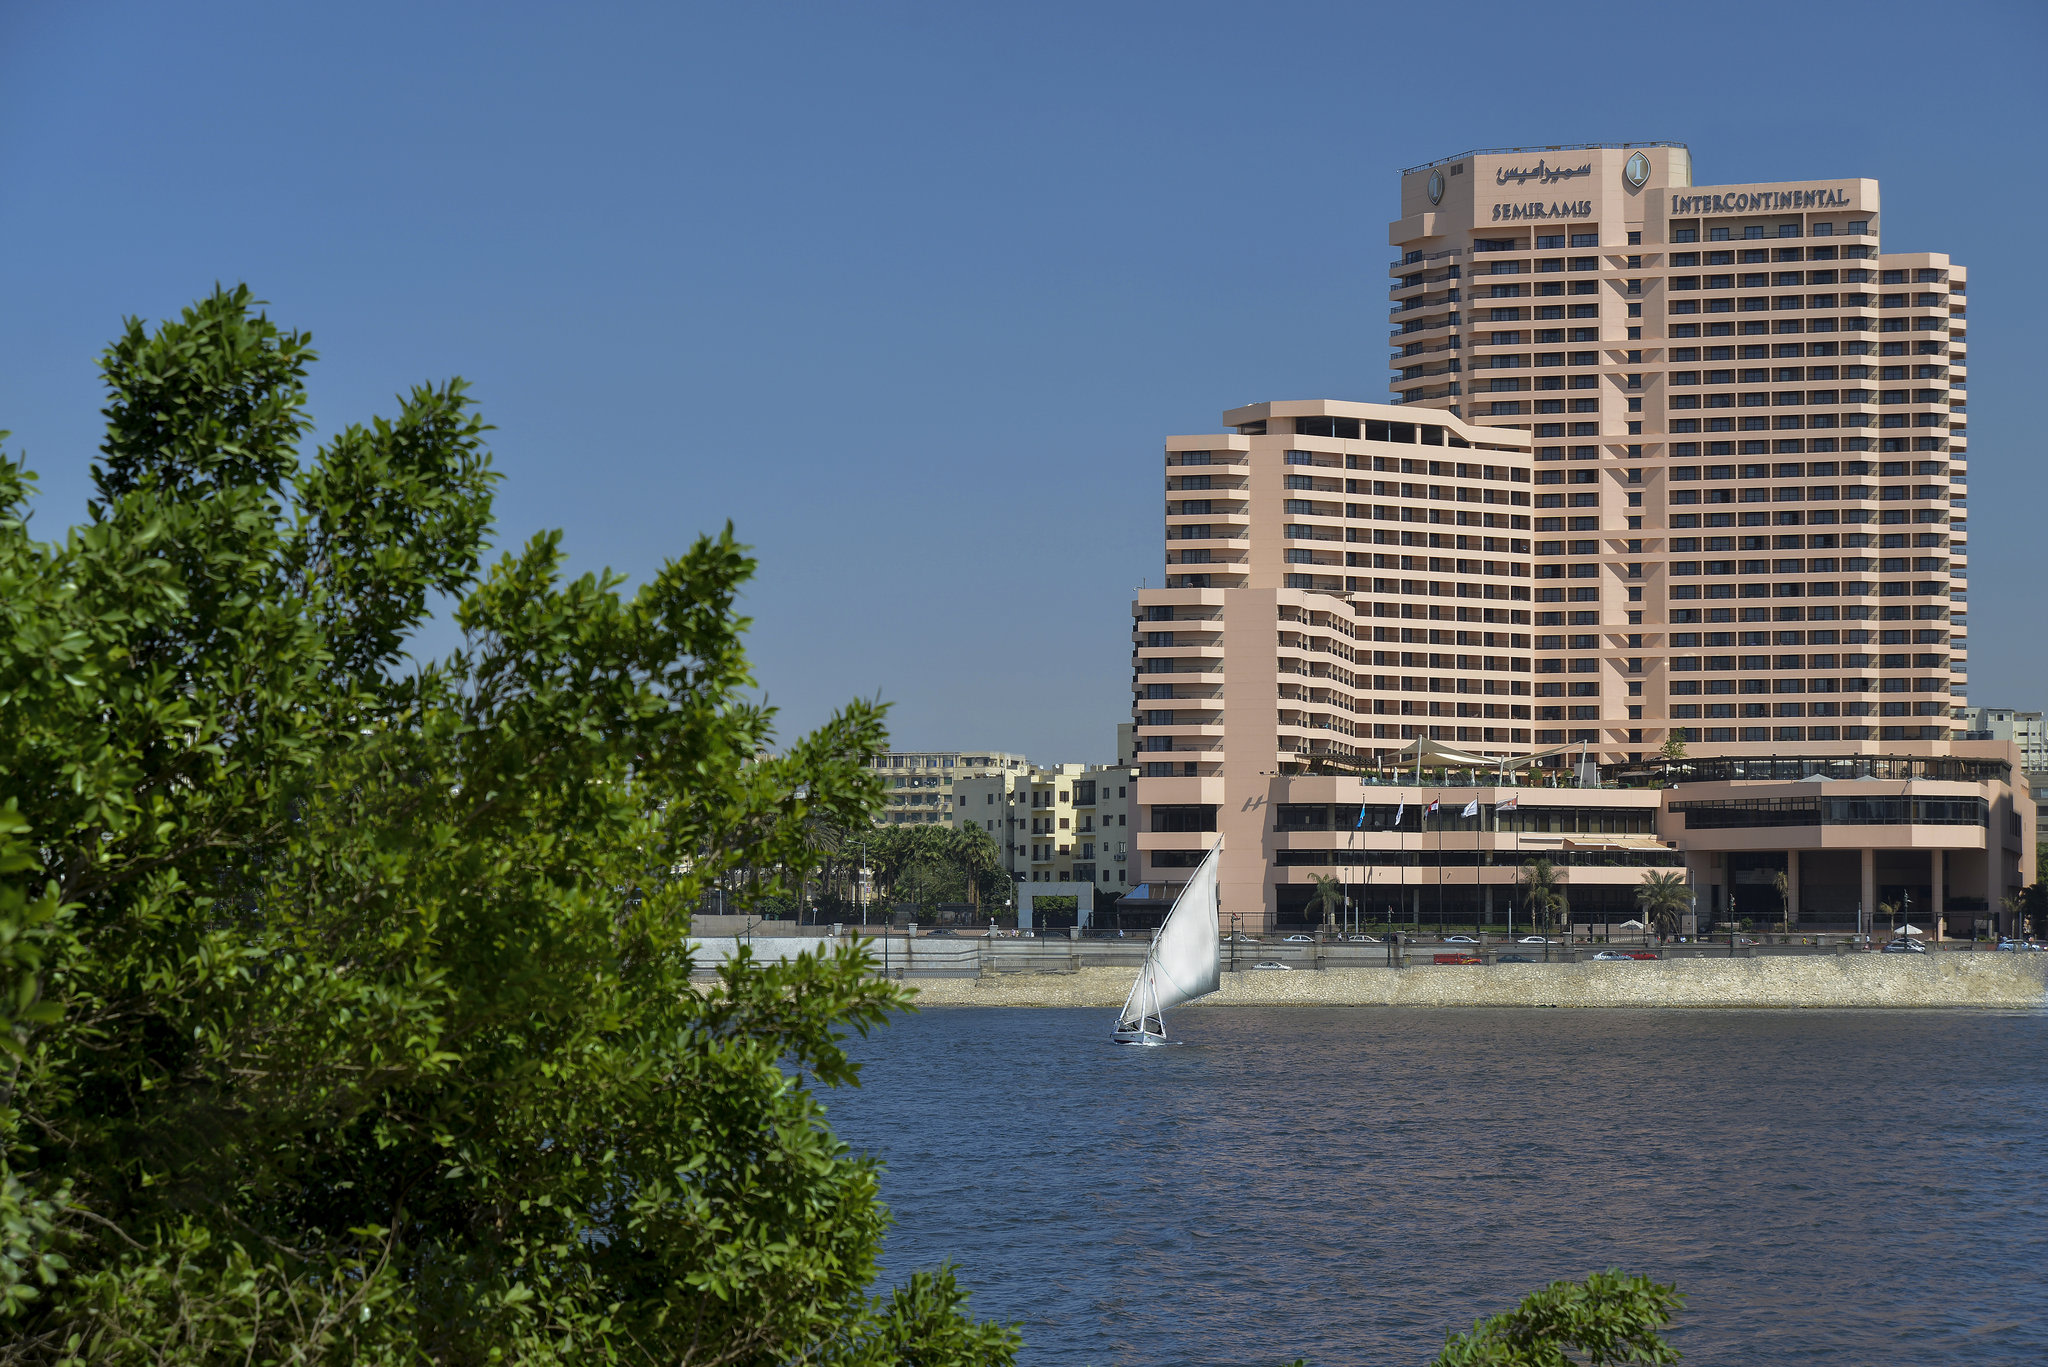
912	293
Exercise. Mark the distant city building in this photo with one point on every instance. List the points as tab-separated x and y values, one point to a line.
1056	824
2005	723
919	784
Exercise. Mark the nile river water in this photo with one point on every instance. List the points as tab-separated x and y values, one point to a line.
1343	1184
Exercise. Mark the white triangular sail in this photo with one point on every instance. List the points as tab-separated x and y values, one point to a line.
1186	958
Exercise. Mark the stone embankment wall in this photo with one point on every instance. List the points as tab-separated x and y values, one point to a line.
1857	980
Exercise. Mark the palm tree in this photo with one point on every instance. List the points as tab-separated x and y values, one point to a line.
1663	897
1329	895
1541	891
1779	882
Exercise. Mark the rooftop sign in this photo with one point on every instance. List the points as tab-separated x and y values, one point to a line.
1761	201
1570	208
1541	173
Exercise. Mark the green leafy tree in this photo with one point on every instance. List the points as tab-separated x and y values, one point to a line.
2034	907
1542	890
1611	1318
1327	897
1783	886
345	1000
1663	898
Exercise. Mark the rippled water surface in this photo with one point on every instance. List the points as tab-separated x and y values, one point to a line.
1828	1187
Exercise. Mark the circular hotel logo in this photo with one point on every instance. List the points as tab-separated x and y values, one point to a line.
1436	187
1637	171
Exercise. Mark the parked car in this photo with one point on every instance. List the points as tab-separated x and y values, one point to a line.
1300	940
1641	954
1902	945
1458	959
1269	964
1613	956
1514	959
1459	940
1365	939
1533	940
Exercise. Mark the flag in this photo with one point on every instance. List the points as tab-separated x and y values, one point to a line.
1431	810
1507	805
1400	811
1471	809
1360	824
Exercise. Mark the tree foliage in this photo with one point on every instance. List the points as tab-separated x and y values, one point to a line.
1663	898
345	1004
928	865
1327	897
1542	890
1611	1318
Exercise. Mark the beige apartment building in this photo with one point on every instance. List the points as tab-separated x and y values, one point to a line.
1056	823
1345	582
2025	729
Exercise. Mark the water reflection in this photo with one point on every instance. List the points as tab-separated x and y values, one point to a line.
1829	1187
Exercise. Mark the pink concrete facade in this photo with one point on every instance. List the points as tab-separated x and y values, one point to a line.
1666	462
1749	424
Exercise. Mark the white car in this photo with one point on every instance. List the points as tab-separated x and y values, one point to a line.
1533	940
1610	956
1300	940
1459	940
1273	967
1365	939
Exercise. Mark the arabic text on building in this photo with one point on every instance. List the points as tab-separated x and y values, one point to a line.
1541	172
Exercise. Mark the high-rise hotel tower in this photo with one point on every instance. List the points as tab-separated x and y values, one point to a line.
1749	437
1666	462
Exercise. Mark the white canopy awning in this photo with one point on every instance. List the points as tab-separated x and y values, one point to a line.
1427	751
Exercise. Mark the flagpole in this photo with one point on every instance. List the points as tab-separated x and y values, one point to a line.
1439	805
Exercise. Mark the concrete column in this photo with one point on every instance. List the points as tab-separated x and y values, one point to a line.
1937	864
1792	885
1994	862
1869	858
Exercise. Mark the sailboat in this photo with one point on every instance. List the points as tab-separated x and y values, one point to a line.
1185	961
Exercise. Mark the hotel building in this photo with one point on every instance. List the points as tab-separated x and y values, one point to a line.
1347	580
1748	424
1667	463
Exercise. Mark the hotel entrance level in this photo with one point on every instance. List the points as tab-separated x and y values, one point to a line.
1937	838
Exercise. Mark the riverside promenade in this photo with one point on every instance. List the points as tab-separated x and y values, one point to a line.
973	971
2000	981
